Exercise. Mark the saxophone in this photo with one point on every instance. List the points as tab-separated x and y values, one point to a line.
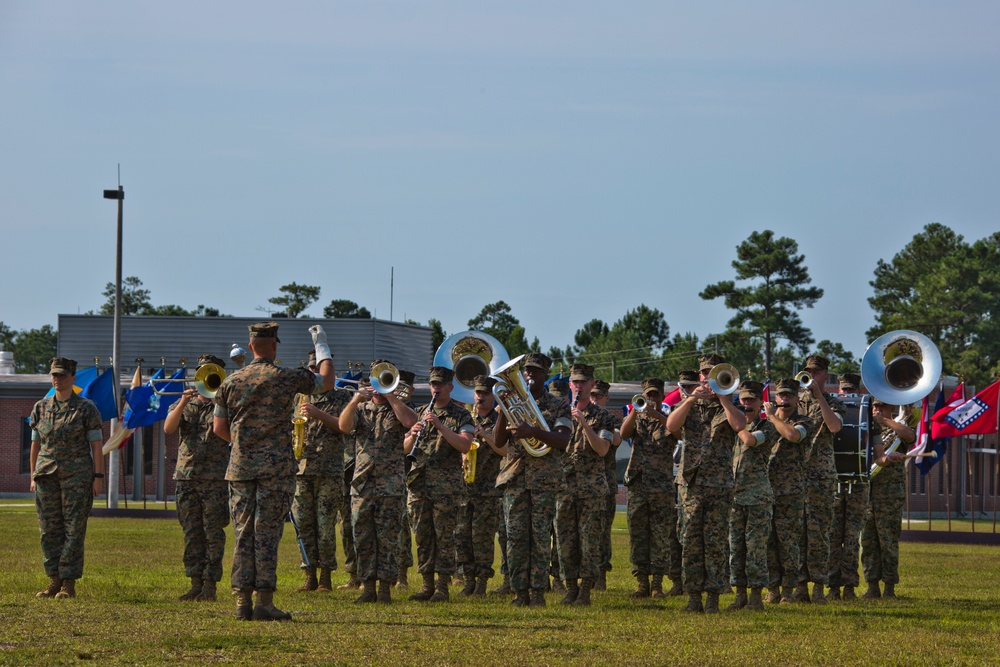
469	458
299	436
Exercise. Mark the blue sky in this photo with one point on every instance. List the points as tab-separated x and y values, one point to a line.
574	159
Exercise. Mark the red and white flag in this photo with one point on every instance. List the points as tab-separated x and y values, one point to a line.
976	416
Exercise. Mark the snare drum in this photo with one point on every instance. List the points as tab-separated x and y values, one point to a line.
852	450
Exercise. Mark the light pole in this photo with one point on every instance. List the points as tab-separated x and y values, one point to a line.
112	476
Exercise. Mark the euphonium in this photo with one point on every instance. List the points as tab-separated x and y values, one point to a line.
519	405
299	436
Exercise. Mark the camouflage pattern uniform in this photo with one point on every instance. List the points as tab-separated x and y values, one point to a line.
259	400
753	503
346	525
821	487
202	491
530	485
884	520
436	489
652	500
786	472
64	479
479	514
706	495
849	507
580	513
319	485
611	509
377	491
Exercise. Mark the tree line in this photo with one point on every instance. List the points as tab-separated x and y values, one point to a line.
938	284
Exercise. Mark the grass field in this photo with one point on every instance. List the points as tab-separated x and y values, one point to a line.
126	613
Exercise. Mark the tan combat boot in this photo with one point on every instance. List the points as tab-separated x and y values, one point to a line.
694	603
801	593
441	592
774	595
192	593
367	593
324	585
351	585
55	583
572	592
521	599
889	592
741	599
833	593
787	595
873	592
402	582
755	602
583	599
656	586
244	604
265	609
642	590
426	591
504	588
310	584
469	588
557	585
384	596
67	590
817	596
536	598
602	581
208	593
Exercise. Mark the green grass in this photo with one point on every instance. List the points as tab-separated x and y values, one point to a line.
126	612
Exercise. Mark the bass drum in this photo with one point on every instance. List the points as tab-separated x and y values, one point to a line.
852	451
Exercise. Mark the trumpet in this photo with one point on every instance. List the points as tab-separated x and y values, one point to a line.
805	379
384	378
639	403
724	379
207	380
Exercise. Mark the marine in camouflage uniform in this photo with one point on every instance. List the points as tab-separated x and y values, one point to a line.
379	423
66	461
884	515
405	393
599	394
849	505
827	413
708	424
253	410
530	485
319	485
786	472
652	507
479	513
580	513
751	513
202	492
435	484
344	509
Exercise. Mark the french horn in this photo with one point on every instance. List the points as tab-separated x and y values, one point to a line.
468	354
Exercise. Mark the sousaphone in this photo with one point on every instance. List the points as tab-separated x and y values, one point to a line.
468	354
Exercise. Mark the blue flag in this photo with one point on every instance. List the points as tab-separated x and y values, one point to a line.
940	445
98	388
145	407
348	379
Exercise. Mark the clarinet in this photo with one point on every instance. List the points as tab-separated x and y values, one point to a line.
427	427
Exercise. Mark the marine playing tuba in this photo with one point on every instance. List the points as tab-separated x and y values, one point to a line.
517	403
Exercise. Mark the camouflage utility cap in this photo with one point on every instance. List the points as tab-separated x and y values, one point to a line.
440	374
264	330
483	383
538	360
558	388
817	363
850	381
601	388
407	378
751	389
581	373
210	359
709	361
688	377
788	386
62	366
652	383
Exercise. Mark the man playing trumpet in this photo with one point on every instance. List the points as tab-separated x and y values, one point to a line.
600	395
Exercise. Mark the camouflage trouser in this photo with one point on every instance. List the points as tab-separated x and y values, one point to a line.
63	507
376	536
784	558
347	535
474	535
579	525
259	508
848	517
652	519
749	530
610	510
554	569
203	510
502	536
405	538
880	539
529	516
817	521
434	519
705	540
317	502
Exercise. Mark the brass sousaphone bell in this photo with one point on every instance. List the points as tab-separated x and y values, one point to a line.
468	354
901	367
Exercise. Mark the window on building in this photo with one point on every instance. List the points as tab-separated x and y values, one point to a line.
25	466
148	442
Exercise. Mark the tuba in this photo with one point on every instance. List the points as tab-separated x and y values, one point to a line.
901	367
468	354
517	403
724	379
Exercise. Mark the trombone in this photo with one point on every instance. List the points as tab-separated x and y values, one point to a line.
384	378
723	379
207	380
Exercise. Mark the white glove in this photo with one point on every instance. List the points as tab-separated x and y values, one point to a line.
319	342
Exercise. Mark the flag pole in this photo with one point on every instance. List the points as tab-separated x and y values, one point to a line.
972	487
996	473
113	457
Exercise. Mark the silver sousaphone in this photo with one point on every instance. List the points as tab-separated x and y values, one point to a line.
901	367
468	354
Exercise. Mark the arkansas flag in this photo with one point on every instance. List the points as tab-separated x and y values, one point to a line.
976	416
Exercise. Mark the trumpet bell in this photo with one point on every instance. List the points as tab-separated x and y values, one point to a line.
901	367
639	403
805	379
384	378
208	379
468	354
724	379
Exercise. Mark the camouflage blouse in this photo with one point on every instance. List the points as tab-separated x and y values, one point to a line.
750	466
201	454
65	431
890	482
651	465
323	448
537	473
258	400
487	461
707	458
820	462
787	467
378	459
611	460
437	466
584	468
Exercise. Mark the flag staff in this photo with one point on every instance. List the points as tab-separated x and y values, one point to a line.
112	468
